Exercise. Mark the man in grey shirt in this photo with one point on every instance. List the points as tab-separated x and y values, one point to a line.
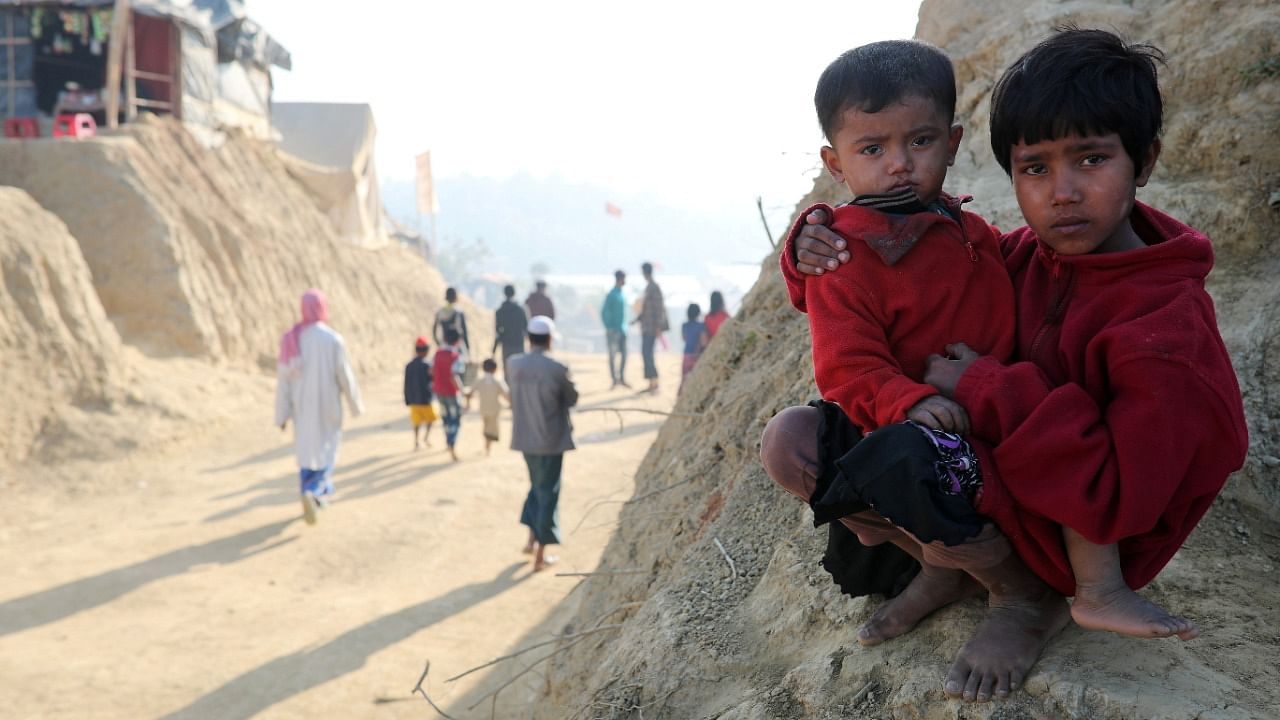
541	395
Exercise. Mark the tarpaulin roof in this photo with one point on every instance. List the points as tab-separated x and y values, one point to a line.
238	36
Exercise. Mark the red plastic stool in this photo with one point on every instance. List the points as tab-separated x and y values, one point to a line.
79	125
21	127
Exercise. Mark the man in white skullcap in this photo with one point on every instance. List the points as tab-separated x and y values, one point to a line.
541	395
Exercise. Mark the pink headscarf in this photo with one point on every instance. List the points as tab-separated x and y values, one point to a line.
315	308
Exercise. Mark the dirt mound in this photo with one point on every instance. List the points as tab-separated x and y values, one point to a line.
712	575
57	345
204	253
146	238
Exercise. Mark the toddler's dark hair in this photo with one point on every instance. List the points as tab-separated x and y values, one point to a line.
871	76
489	365
1083	82
451	336
694	311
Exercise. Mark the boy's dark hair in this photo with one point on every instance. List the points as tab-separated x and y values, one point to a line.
489	365
646	268
1083	82
693	312
619	275
509	291
539	340
450	295
871	76
451	336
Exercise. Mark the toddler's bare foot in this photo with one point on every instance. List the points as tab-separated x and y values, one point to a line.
1121	610
932	588
453	453
1008	642
544	562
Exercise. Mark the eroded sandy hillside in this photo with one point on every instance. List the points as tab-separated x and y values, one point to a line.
147	240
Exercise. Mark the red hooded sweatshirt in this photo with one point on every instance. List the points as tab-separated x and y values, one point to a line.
1123	418
915	283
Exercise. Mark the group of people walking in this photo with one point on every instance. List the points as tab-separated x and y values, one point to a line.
314	373
652	319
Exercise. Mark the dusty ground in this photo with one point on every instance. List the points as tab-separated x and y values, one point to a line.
180	582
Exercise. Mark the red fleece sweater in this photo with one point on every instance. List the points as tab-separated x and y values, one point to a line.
1124	418
914	283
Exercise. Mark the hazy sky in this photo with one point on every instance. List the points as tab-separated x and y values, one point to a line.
691	102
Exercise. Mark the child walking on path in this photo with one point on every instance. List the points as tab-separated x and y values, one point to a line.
491	391
1099	451
445	381
417	392
694	333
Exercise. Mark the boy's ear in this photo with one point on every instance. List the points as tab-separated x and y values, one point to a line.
1144	173
953	143
831	161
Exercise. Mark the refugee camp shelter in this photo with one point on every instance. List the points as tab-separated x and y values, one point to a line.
202	61
329	147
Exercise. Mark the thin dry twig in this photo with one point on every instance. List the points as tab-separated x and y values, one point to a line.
578	638
733	570
574	636
636	499
419	689
857	697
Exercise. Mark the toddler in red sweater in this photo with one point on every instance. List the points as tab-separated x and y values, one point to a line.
1104	446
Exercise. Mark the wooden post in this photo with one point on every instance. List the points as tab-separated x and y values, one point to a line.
130	77
121	24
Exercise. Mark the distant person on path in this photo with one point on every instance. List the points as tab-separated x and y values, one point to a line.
541	394
614	317
509	327
445	371
653	322
539	303
694	333
312	375
450	317
716	315
417	392
490	389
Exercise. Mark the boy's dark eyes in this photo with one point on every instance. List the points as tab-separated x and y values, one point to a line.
1033	169
922	141
1094	159
871	150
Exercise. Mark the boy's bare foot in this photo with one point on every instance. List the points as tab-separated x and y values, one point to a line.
1121	610
542	563
453	453
932	588
1010	639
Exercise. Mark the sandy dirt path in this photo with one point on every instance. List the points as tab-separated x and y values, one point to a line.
185	584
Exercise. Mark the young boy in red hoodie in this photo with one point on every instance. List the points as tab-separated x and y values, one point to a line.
1109	439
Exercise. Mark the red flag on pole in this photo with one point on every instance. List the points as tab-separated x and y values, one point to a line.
611	209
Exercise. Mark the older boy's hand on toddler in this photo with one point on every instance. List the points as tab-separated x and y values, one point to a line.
940	413
819	249
944	372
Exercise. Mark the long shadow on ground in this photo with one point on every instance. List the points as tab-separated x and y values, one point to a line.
297	672
66	600
283	490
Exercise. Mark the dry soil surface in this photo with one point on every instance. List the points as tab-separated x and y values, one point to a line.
181	582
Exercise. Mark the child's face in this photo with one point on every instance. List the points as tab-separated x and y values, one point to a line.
908	144
1076	192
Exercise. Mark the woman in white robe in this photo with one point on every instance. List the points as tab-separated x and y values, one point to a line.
313	373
